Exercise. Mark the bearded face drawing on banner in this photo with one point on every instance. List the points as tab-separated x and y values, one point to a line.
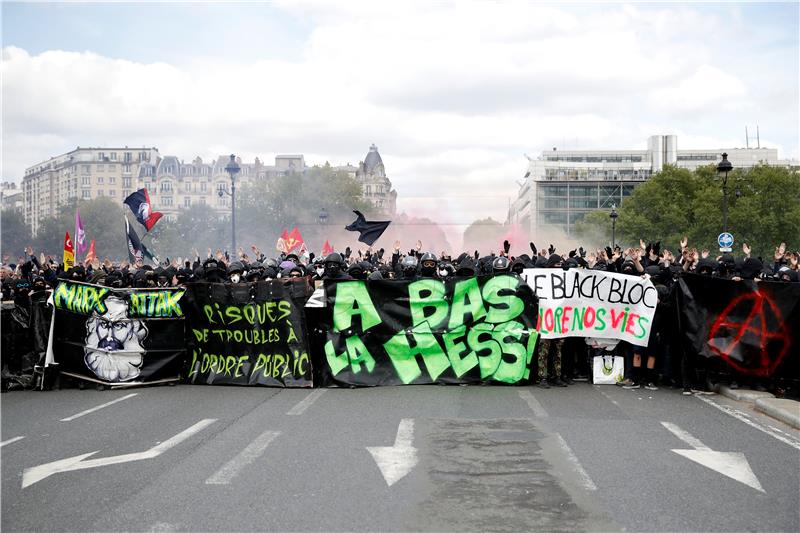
114	343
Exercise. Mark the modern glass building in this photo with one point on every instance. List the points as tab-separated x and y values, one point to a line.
561	187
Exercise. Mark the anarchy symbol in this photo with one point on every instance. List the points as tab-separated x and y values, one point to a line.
755	345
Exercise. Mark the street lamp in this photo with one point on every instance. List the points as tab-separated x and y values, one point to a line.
723	168
613	215
232	168
323	216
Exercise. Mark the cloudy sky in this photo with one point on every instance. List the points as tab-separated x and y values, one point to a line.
454	94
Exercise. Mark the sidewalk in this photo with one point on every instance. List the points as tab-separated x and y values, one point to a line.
787	411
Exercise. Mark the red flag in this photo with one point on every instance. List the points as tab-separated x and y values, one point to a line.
90	255
294	240
327	249
69	252
282	240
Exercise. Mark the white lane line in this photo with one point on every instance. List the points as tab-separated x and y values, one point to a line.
609	398
586	481
11	441
93	409
744	417
685	436
305	403
528	397
253	451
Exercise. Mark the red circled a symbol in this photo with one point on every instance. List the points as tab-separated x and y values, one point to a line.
772	337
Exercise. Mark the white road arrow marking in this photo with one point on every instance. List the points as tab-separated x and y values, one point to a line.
731	464
397	461
38	473
11	441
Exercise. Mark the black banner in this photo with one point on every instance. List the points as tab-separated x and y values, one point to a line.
248	334
752	326
118	336
426	331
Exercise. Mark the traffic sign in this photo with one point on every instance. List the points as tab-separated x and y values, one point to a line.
725	241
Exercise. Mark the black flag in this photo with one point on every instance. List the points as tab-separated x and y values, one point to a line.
136	250
370	231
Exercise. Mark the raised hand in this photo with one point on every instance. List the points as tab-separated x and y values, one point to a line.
397	246
705	254
684	243
746	249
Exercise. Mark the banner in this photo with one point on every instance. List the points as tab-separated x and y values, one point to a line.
593	303
427	331
118	336
248	334
751	326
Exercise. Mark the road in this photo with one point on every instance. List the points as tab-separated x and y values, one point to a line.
478	458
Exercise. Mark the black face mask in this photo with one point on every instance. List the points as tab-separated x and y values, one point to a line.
332	269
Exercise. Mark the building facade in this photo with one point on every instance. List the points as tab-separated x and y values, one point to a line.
375	185
173	184
83	173
561	187
11	196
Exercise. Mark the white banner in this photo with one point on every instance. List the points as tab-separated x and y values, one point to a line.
593	303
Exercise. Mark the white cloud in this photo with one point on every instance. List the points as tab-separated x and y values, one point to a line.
452	93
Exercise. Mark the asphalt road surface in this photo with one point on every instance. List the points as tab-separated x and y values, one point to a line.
418	458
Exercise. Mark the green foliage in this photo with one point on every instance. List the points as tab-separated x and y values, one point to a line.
484	234
15	235
763	210
196	228
103	221
265	208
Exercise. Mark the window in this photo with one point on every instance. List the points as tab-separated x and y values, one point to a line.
126	192
126	168
127	157
187	187
100	192
86	181
553	218
112	180
554	203
101	156
583	203
86	169
203	187
112	192
99	180
126	182
583	190
166	186
558	190
112	168
167	201
202	200
113	156
187	201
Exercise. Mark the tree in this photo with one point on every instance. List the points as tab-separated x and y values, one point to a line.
197	227
763	209
484	234
15	234
266	207
103	221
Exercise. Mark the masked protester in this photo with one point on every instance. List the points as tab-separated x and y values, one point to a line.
408	267
236	272
427	265
334	267
445	270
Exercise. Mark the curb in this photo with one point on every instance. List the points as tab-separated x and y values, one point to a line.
743	395
787	411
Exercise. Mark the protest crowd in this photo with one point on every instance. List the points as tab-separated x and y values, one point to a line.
559	362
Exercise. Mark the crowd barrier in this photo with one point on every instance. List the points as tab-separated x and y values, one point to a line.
368	333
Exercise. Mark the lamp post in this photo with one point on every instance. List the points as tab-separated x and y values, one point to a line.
613	215
323	216
723	168
232	168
